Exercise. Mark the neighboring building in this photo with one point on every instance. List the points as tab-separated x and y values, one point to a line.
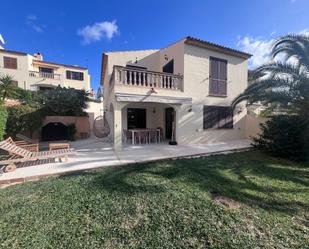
186	89
31	72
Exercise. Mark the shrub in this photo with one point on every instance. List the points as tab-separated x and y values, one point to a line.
71	131
3	119
23	118
65	102
285	136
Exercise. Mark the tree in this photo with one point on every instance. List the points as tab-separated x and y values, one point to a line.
7	87
285	80
283	83
65	102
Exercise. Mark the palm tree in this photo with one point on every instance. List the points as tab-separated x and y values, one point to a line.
7	87
284	81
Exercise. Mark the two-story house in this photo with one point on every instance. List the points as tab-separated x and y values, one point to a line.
185	89
31	72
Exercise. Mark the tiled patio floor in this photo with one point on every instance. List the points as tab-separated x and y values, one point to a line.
93	153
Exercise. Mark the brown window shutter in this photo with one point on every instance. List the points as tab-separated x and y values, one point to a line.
217	117
68	74
14	63
222	85
218	77
213	77
9	62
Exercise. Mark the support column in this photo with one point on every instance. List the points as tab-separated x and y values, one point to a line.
118	126
177	122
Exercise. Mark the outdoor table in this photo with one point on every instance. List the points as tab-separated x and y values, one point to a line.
57	146
133	131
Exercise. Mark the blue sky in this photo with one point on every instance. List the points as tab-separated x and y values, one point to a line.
77	32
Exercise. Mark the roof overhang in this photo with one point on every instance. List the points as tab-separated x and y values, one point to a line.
125	97
56	65
216	47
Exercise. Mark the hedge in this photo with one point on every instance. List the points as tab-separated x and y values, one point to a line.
3	120
23	118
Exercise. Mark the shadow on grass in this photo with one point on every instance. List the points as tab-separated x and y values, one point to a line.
251	178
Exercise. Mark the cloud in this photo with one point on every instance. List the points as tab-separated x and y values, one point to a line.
304	32
260	49
31	21
98	31
2	42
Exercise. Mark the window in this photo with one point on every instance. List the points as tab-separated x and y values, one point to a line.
71	75
9	62
46	70
218	77
218	117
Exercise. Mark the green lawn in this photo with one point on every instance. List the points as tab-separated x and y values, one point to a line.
168	204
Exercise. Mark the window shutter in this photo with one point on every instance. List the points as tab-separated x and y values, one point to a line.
218	77
217	117
9	62
213	77
222	84
68	74
210	118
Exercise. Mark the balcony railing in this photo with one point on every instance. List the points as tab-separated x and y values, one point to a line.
44	75
145	78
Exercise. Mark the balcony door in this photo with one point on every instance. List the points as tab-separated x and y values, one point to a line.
136	118
168	67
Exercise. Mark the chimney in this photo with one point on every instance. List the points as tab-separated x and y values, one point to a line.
38	56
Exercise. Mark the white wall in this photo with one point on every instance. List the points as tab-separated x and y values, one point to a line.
25	64
196	85
21	73
94	110
193	63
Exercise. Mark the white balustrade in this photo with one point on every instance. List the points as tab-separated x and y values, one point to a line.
44	75
146	78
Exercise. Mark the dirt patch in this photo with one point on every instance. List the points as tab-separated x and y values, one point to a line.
223	200
301	221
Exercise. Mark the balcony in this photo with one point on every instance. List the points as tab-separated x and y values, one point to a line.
134	77
36	74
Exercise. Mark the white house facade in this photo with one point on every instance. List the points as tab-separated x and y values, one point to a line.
31	72
185	89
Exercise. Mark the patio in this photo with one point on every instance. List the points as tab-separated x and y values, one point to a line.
94	153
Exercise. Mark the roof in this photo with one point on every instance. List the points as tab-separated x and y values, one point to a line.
58	64
216	47
12	52
133	50
46	62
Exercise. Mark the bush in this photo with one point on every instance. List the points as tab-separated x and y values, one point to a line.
71	132
23	118
3	119
285	136
65	102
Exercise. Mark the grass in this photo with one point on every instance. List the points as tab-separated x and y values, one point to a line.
165	204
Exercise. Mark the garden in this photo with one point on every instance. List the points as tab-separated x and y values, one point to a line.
243	200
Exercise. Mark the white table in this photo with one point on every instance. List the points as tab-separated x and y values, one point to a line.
133	131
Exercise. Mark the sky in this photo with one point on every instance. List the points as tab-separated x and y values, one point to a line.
78	32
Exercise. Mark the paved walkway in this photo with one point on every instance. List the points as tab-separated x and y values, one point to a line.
93	153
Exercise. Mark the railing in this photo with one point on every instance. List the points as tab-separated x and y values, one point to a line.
44	75
145	78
